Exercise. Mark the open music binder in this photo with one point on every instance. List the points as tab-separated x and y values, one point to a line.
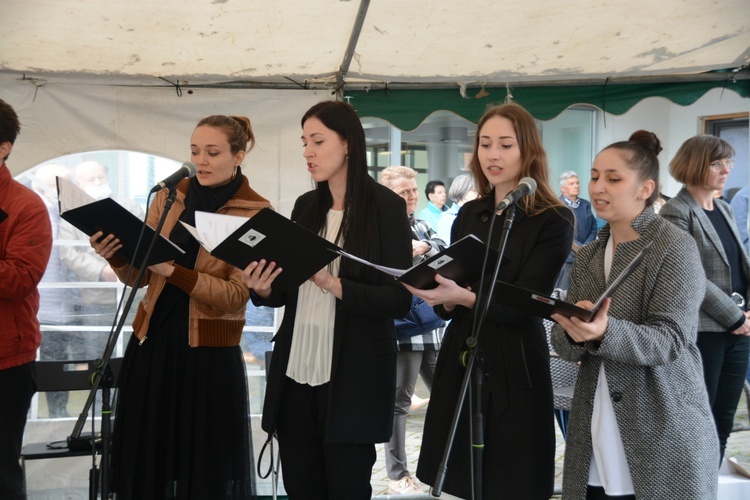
460	262
301	253
91	216
544	306
267	235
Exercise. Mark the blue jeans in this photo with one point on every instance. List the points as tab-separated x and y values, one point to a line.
725	364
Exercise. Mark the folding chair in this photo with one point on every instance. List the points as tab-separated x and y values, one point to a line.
69	375
563	374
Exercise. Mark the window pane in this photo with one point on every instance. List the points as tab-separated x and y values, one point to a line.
80	293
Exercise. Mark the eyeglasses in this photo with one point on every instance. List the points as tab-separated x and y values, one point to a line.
718	165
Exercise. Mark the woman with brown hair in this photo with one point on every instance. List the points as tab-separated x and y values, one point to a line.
703	164
519	432
182	428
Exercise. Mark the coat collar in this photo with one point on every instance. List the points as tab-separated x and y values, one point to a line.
640	224
708	227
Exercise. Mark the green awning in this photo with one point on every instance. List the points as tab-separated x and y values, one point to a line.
406	109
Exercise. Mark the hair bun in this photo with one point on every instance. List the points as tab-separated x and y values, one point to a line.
647	140
247	128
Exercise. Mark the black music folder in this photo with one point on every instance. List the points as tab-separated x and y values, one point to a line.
544	306
91	215
3	215
267	235
538	304
460	262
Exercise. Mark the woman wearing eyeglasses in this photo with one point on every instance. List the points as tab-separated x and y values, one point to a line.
703	164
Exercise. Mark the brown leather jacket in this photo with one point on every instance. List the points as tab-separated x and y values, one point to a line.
217	295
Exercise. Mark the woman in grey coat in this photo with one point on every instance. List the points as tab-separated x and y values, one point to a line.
703	164
640	424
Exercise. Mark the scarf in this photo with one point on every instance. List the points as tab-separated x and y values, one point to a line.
205	199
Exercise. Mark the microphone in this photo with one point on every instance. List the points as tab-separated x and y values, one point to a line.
186	170
526	186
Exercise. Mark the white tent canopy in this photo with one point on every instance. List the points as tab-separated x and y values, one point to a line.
58	120
102	74
417	41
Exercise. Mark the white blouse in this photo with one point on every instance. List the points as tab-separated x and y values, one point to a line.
609	466
312	338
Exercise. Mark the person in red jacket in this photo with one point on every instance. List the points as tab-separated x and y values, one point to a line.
25	247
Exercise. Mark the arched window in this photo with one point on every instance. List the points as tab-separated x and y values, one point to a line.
79	291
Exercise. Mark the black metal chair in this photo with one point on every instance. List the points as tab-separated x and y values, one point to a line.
69	375
564	374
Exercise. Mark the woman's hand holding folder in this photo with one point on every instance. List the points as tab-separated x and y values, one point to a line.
582	331
448	293
259	276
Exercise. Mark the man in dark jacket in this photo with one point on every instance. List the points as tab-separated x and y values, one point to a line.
25	246
585	222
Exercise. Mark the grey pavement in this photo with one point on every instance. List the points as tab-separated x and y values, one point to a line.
414	425
738	446
68	478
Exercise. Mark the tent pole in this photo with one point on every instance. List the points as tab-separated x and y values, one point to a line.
349	54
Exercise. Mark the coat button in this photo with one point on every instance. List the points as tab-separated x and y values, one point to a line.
484	218
616	396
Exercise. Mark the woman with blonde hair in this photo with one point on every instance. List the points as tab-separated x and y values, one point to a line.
417	339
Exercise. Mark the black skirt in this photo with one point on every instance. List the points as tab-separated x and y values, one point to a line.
182	421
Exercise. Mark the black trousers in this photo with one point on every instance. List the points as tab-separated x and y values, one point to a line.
725	360
17	387
314	468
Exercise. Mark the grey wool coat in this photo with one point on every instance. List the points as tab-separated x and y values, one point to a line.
653	366
718	313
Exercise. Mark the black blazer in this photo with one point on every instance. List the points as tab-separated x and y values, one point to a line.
519	437
363	371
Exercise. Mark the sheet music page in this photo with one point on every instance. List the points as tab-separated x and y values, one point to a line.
397	273
388	270
194	233
71	196
212	229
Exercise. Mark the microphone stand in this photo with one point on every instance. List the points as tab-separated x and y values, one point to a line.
474	373
103	376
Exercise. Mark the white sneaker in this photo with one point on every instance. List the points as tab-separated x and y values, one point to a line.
418	403
404	486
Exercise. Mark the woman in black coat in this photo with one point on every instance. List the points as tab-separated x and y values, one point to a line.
519	434
331	384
